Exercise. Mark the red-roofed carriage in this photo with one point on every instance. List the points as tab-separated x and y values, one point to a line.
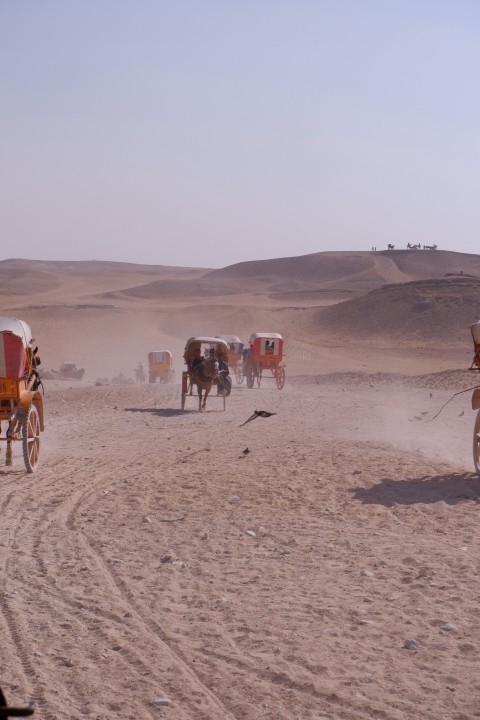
265	355
21	402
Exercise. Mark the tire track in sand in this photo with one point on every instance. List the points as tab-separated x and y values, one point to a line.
120	587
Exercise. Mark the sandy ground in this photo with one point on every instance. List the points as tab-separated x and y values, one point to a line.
150	569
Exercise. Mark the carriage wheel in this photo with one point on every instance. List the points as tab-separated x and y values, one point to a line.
259	378
31	439
476	443
250	378
238	375
280	377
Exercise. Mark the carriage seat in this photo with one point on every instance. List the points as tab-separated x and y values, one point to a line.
13	356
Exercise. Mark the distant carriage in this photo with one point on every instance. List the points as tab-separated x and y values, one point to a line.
160	366
68	371
235	355
21	402
265	355
207	374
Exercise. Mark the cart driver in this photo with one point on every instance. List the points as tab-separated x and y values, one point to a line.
197	360
224	371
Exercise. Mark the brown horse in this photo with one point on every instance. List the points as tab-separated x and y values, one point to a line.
204	376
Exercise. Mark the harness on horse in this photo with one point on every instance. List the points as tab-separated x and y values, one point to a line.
205	371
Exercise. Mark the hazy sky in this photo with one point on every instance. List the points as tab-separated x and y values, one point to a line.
202	132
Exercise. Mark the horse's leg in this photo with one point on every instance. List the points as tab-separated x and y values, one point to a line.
9	453
207	390
199	398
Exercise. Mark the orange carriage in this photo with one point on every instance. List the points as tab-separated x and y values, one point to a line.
475	328
265	354
235	355
21	402
160	365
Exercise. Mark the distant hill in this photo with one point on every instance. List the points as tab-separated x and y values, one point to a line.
353	273
427	309
336	273
354	268
95	266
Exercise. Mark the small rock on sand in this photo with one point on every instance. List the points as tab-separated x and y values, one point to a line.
448	627
251	533
411	644
162	702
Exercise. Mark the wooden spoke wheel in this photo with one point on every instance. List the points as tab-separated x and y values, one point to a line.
31	439
476	443
238	375
280	377
250	377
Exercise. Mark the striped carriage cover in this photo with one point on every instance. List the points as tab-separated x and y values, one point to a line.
13	356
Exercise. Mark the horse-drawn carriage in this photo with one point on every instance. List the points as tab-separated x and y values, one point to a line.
21	402
265	354
235	355
68	371
204	358
160	365
476	396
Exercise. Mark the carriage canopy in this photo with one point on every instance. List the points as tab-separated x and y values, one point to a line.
163	357
235	345
204	343
17	327
267	344
15	338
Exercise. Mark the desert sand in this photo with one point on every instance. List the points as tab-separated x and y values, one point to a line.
153	569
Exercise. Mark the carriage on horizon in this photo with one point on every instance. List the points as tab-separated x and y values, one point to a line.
206	374
235	355
21	402
265	354
160	365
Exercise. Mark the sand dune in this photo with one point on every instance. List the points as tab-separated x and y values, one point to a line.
353	270
441	309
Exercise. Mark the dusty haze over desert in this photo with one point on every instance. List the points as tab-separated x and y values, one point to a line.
153	569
